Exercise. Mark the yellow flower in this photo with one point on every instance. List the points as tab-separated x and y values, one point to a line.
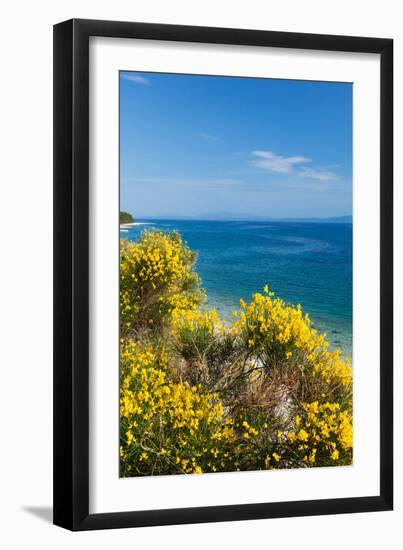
335	455
170	371
312	456
129	437
303	435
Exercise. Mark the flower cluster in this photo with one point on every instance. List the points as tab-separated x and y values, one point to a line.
322	435
195	321
269	324
157	276
168	427
200	395
194	332
280	334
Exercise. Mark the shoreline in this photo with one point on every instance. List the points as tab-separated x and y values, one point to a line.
124	227
337	337
134	224
338	328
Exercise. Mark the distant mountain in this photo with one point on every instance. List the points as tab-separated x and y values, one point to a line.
228	216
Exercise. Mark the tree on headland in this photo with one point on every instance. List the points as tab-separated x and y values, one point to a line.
125	217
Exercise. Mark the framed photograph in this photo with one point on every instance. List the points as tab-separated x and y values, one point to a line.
223	240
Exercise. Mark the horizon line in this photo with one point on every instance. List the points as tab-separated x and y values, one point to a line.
347	217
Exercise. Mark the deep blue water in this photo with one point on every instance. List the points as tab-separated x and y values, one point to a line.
305	263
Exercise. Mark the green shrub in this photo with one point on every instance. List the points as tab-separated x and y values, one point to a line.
125	217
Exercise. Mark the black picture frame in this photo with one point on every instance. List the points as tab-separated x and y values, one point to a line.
71	274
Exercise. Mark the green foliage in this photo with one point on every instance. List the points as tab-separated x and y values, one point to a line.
125	217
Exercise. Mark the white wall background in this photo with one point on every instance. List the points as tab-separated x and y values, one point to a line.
26	275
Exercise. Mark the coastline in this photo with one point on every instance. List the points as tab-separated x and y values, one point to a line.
298	260
124	227
133	224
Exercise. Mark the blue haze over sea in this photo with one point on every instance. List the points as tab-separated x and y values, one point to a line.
302	262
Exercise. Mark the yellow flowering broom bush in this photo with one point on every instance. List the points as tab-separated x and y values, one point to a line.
157	276
194	332
208	352
288	349
321	435
168	427
200	395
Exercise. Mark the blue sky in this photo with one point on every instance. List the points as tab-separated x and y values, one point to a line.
203	146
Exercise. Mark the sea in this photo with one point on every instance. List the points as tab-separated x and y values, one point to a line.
307	263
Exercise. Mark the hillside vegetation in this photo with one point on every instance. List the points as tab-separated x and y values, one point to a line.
125	217
201	395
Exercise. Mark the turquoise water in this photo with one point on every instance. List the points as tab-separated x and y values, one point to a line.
304	263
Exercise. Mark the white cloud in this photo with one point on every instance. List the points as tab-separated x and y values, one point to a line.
138	79
277	163
321	175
